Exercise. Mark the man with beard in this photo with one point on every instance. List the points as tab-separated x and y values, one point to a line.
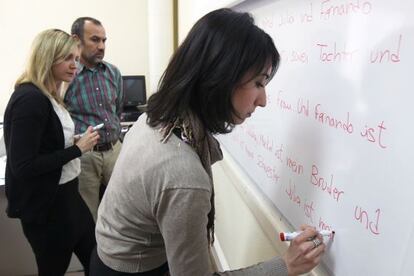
95	97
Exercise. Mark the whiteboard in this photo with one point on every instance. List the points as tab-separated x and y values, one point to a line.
333	147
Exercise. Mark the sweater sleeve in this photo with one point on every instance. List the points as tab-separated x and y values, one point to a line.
182	217
29	118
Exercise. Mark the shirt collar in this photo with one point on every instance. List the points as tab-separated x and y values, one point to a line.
80	67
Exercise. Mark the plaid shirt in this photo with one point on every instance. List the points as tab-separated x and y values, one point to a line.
95	96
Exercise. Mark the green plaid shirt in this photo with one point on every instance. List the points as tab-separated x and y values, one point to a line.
95	96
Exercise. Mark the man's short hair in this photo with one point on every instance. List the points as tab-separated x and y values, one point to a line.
78	25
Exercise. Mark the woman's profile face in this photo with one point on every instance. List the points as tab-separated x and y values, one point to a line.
248	95
66	69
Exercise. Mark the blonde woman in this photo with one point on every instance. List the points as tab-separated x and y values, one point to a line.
42	158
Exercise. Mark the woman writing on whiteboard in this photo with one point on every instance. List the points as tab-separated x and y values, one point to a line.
157	215
42	158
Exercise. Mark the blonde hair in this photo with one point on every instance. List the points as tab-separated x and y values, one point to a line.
50	47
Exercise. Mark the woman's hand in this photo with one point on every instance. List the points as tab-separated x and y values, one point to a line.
303	253
88	140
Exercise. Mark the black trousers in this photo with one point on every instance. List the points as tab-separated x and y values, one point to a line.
69	228
98	268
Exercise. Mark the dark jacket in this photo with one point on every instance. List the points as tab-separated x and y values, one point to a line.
34	140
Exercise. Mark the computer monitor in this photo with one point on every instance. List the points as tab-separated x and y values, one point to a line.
134	91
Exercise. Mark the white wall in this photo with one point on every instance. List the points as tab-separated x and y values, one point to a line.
125	22
239	235
190	11
160	39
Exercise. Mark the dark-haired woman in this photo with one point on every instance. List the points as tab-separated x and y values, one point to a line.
157	215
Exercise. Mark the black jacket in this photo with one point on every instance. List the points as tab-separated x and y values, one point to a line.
34	140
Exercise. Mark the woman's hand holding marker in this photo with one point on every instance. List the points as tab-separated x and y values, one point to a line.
305	249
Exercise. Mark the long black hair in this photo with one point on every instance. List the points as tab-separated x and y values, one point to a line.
204	71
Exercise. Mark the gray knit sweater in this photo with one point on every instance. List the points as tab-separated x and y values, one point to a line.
155	210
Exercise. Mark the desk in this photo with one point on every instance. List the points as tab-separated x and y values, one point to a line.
2	169
125	126
2	156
